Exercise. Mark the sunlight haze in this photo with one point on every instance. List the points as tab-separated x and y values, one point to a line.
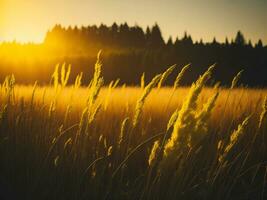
28	21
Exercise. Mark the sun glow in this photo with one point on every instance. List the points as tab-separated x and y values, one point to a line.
23	21
28	21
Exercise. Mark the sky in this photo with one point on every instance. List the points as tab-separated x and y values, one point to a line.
28	21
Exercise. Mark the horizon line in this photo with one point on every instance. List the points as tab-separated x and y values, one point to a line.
165	38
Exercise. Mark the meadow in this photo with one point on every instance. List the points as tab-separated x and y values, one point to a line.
70	141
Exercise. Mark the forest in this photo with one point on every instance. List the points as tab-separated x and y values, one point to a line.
129	51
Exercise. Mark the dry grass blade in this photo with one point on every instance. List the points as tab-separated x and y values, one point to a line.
180	76
165	75
141	101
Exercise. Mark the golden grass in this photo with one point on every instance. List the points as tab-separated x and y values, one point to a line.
153	142
122	101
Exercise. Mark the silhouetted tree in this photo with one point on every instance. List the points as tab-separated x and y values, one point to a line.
155	39
114	28
130	51
114	33
201	42
240	39
259	44
249	44
170	42
124	33
187	40
226	42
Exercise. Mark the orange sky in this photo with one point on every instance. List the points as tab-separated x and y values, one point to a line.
29	20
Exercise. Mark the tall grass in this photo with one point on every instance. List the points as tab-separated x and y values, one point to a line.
66	141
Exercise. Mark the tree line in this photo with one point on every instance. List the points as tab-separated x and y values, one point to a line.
123	36
128	51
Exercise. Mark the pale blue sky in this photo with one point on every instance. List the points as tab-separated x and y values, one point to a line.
29	20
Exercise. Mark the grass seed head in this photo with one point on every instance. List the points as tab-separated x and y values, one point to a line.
165	75
234	138
154	152
180	76
263	115
236	79
141	101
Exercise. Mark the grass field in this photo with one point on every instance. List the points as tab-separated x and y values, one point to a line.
150	142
